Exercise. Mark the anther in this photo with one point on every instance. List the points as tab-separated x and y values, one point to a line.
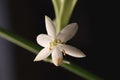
63	51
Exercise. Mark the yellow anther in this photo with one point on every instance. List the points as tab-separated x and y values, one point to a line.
54	43
63	51
59	41
50	48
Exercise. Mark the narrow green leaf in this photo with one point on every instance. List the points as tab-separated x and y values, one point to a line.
57	6
80	72
63	10
19	41
66	11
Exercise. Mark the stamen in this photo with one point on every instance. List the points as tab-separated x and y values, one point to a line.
59	41
50	48
55	43
63	51
50	44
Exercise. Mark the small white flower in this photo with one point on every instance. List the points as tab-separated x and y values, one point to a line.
54	44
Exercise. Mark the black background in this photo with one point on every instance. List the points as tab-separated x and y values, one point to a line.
94	37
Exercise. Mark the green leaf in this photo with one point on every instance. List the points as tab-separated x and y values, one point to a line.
66	11
80	72
63	10
19	41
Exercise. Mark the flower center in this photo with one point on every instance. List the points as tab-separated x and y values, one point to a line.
55	43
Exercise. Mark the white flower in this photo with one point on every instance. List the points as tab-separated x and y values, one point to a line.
54	44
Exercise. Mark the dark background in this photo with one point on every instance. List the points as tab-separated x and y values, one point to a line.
94	38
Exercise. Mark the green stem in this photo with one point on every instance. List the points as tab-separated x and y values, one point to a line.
35	49
19	41
80	72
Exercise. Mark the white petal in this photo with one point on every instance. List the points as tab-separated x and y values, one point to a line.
44	40
50	27
44	53
57	57
72	51
68	32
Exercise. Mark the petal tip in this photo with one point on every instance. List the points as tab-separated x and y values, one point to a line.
46	17
82	55
35	60
56	65
76	25
58	62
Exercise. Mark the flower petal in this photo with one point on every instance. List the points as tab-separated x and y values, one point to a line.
57	57
72	51
68	32
44	53
44	40
50	27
